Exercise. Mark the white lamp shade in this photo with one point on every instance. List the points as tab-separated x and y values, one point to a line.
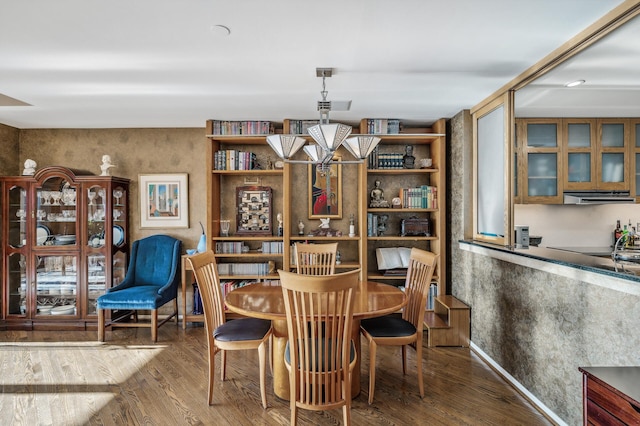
285	145
329	136
317	154
361	146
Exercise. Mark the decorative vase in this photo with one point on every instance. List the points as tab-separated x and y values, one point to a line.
202	244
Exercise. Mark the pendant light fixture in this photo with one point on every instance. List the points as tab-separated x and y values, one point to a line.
328	136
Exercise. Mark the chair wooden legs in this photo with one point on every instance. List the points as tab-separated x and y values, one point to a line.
404	359
223	365
212	373
262	356
154	325
419	364
101	322
372	369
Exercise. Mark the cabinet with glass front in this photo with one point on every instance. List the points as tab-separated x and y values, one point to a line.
539	142
65	244
595	154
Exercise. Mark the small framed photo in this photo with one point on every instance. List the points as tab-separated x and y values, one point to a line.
164	200
253	205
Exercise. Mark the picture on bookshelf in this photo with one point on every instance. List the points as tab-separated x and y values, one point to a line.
253	206
164	200
325	190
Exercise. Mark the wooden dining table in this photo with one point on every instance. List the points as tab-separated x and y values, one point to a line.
264	300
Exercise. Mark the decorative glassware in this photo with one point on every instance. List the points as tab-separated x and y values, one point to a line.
56	196
224	227
92	196
117	193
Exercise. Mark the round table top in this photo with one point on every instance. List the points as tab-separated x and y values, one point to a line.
263	300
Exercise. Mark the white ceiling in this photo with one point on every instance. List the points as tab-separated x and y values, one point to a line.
167	63
611	71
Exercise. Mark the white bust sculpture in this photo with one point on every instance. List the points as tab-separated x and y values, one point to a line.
29	168
106	165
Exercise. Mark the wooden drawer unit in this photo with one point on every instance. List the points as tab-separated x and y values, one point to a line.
610	395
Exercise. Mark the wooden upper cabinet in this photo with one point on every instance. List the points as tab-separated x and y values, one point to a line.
613	162
539	146
576	154
579	154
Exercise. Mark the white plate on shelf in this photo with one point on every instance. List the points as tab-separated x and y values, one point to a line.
42	233
118	235
63	310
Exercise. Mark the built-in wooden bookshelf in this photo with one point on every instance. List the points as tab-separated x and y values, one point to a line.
290	199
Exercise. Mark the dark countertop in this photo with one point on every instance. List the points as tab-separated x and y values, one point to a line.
597	264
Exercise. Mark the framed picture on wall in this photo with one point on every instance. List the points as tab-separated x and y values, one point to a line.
164	200
325	190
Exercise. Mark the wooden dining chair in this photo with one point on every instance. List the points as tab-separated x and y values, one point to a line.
316	259
320	355
222	335
394	331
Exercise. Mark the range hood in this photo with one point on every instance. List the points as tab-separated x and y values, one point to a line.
598	197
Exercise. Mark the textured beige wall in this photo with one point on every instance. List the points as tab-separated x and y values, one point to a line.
134	152
10	163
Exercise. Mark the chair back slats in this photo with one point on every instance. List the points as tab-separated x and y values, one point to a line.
205	271
319	321
316	259
419	273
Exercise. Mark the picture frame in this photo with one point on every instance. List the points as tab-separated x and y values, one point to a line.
253	207
164	200
323	203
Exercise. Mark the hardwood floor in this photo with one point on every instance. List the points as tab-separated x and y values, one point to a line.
69	378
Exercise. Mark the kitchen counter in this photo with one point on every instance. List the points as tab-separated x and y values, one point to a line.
579	262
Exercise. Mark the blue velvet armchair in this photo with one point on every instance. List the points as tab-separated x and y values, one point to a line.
151	281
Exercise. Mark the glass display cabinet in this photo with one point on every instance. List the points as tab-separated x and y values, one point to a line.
67	242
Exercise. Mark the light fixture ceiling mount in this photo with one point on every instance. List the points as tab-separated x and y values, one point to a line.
329	137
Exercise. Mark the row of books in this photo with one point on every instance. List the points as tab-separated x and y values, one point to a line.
421	197
300	127
270	247
385	126
232	159
385	160
258	268
431	296
247	127
373	221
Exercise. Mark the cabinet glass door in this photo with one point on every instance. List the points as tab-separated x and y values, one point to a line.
542	135
579	167
56	285
56	213
612	167
612	135
542	178
119	215
17	285
97	279
97	215
17	217
613	163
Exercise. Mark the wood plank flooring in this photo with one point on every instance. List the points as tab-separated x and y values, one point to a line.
69	378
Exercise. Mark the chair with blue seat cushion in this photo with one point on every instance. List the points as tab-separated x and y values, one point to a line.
222	335
320	355
151	281
394	331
